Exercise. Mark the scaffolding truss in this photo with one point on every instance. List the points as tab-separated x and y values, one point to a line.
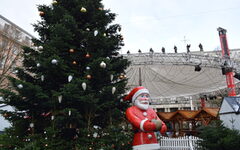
172	76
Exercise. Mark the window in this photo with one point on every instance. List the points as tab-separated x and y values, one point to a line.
173	109
6	27
160	109
187	108
4	44
27	40
17	34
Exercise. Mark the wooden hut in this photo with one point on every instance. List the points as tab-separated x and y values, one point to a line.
185	122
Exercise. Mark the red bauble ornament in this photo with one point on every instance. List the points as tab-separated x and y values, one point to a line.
87	55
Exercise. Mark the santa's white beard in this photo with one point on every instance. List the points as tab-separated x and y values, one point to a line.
142	104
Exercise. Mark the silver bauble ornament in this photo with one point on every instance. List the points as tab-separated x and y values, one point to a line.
103	64
60	98
84	86
113	89
40	47
42	77
31	125
38	64
20	86
15	71
95	134
70	77
95	32
149	136
54	61
111	77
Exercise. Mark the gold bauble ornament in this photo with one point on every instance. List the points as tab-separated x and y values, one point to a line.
121	76
5	115
41	13
74	62
71	50
89	76
54	2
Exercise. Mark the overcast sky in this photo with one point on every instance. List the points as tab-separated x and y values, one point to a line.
154	23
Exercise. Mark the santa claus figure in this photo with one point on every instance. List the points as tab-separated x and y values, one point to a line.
144	120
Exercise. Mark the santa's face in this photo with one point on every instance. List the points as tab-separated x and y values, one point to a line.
142	101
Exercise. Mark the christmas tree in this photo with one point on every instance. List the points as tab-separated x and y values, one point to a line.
68	93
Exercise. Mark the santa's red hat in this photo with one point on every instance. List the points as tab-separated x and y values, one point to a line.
135	93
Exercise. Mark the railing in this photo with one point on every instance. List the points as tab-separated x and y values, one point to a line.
192	59
180	143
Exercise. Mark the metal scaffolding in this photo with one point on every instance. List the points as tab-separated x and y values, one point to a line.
181	76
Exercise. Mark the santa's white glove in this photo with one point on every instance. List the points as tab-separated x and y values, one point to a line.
158	123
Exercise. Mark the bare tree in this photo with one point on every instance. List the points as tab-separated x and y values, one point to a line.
10	52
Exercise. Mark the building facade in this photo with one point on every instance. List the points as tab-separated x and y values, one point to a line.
12	38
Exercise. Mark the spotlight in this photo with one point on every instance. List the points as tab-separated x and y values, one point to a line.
212	97
198	68
226	70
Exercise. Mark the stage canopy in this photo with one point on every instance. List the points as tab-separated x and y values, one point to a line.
177	75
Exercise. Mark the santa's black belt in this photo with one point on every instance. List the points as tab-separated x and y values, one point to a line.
136	131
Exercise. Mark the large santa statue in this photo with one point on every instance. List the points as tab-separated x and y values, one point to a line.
144	120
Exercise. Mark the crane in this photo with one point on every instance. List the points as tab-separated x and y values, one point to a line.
226	69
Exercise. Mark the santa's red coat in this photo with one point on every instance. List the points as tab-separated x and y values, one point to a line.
143	127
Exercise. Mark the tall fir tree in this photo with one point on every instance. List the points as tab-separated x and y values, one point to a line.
68	93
